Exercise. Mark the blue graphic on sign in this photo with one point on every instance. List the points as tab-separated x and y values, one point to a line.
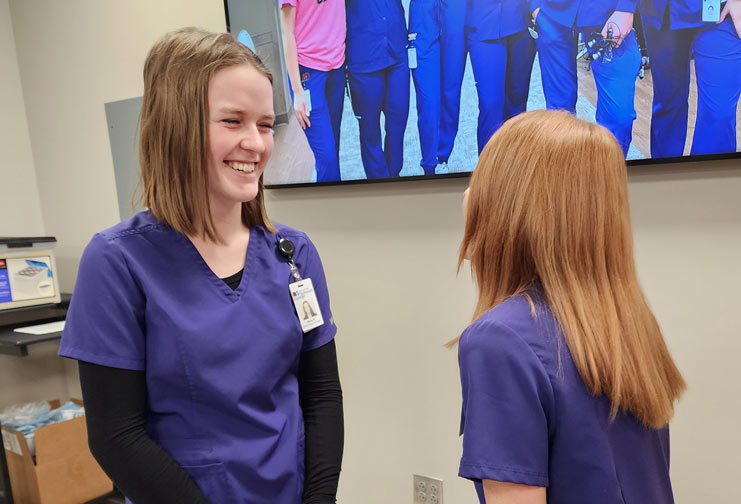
5	295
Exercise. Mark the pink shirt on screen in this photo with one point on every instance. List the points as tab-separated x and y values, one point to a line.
320	33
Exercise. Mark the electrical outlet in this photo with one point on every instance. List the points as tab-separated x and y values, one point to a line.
427	490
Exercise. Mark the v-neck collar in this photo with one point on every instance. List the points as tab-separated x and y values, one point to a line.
212	278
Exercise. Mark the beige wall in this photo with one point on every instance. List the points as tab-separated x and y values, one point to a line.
41	375
389	252
19	196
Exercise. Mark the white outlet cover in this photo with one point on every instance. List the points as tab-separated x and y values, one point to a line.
427	490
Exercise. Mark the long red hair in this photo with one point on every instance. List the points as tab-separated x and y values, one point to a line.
548	204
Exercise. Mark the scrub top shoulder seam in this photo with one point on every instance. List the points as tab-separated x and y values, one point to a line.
128	232
552	419
286	231
498	324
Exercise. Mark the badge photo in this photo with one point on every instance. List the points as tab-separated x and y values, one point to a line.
306	304
711	11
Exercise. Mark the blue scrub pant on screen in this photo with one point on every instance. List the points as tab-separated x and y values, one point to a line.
384	91
717	50
427	85
453	60
615	80
437	81
327	95
502	69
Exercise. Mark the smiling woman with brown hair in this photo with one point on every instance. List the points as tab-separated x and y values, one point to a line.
568	385
201	384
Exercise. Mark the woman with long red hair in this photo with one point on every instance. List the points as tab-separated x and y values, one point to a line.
568	385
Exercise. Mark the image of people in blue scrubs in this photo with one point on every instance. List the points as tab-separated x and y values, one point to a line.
438	47
314	47
502	54
199	383
378	76
592	61
549	414
676	32
453	56
605	27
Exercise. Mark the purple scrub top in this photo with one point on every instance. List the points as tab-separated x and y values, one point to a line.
221	365
529	418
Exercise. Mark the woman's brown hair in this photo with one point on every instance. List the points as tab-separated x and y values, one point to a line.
548	205
173	126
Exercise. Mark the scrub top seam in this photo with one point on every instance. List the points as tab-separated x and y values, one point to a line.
110	360
480	473
129	232
479	465
550	418
193	390
286	231
249	261
532	350
326	338
128	266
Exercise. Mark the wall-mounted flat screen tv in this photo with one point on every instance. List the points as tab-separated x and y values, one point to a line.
379	90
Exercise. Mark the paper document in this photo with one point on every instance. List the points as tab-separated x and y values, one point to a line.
41	328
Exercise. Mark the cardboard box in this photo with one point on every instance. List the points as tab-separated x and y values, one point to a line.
64	472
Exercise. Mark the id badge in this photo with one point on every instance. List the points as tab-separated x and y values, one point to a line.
307	93
412	51
307	307
711	11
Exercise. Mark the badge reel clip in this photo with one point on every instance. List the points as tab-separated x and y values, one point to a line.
285	247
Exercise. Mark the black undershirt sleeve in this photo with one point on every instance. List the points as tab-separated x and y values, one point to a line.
116	411
321	401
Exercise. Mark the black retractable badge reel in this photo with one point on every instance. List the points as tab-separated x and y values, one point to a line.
286	248
302	291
